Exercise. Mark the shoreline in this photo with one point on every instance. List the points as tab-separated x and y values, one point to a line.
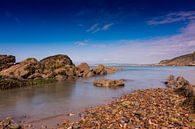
112	114
119	106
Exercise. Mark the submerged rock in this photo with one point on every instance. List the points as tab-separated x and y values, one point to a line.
109	83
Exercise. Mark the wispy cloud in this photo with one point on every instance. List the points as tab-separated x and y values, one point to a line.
173	17
81	43
94	28
107	26
99	27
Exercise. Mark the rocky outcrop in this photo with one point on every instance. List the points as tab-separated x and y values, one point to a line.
23	70
83	70
6	61
109	83
100	70
181	85
58	67
184	60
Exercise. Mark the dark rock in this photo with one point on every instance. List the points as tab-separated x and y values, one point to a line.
6	61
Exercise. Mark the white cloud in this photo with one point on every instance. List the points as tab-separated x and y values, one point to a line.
173	17
98	27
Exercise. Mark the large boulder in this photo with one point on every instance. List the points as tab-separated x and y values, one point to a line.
6	61
23	69
109	83
58	65
56	61
83	69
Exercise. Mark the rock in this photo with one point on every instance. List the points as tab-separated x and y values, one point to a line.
90	74
181	82
60	78
56	61
111	70
58	65
7	83
23	69
100	70
6	61
170	81
84	69
8	123
109	83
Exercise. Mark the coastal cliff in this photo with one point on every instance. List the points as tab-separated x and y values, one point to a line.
184	60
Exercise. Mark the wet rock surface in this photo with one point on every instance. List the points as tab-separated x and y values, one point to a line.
150	108
6	61
109	83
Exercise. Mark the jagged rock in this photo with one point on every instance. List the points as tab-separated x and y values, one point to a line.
23	69
6	61
83	69
109	83
100	70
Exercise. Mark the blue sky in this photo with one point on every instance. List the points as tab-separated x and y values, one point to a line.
98	31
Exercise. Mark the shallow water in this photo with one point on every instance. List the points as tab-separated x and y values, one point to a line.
40	102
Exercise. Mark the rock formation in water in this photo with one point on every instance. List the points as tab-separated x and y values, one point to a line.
58	67
109	83
6	61
184	60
